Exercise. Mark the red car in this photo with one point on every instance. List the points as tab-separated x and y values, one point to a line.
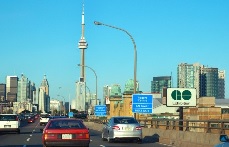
31	119
65	132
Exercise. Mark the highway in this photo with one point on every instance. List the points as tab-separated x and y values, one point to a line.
30	136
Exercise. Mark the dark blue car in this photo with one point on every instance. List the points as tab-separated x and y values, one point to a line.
224	141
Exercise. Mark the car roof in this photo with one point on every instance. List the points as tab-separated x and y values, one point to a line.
65	118
122	117
8	114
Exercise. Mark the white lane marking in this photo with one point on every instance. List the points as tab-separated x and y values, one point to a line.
30	135
102	145
28	139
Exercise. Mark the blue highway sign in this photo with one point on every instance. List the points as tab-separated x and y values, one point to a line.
100	110
142	103
70	114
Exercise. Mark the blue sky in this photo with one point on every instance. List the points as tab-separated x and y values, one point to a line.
41	37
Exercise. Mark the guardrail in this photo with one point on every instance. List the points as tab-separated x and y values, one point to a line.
206	126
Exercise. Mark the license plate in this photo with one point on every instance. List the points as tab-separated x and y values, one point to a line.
66	136
127	128
7	126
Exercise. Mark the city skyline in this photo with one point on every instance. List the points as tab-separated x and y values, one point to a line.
41	38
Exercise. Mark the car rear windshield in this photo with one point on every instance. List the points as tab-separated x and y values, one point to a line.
66	124
125	120
44	116
8	117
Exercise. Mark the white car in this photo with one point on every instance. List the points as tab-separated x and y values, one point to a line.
44	118
9	123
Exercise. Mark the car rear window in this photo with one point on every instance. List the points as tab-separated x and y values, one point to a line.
125	121
44	116
66	124
8	117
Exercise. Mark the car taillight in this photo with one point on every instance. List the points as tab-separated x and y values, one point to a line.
16	118
115	128
138	128
85	136
50	136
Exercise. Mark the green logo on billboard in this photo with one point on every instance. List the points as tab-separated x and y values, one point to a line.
185	95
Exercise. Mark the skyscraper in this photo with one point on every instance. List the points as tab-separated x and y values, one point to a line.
221	83
22	93
159	83
11	88
209	82
44	98
2	92
188	76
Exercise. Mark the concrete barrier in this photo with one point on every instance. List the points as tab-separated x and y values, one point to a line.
172	137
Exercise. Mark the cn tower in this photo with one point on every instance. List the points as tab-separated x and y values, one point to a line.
82	46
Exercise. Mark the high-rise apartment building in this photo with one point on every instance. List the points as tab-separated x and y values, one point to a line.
221	84
205	80
209	82
11	88
188	76
159	83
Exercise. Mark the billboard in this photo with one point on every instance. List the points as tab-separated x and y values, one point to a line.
181	97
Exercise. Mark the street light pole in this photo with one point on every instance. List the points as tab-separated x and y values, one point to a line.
135	52
96	85
135	49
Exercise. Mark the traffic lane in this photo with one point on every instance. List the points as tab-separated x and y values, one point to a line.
96	141
31	137
9	139
34	134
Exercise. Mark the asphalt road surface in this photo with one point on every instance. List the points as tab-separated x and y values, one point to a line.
30	136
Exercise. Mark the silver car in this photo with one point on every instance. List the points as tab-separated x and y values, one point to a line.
122	128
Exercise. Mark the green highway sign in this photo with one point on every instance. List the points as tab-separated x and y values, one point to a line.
177	97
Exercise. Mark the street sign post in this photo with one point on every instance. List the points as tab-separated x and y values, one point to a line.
142	103
100	110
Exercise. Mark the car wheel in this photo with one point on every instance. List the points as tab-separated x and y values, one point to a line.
103	139
139	141
18	131
109	140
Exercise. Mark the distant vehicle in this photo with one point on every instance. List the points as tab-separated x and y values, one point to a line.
81	115
55	117
224	141
9	123
122	128
31	119
44	118
65	132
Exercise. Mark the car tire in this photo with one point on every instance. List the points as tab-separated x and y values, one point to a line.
139	141
18	131
103	139
109	140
